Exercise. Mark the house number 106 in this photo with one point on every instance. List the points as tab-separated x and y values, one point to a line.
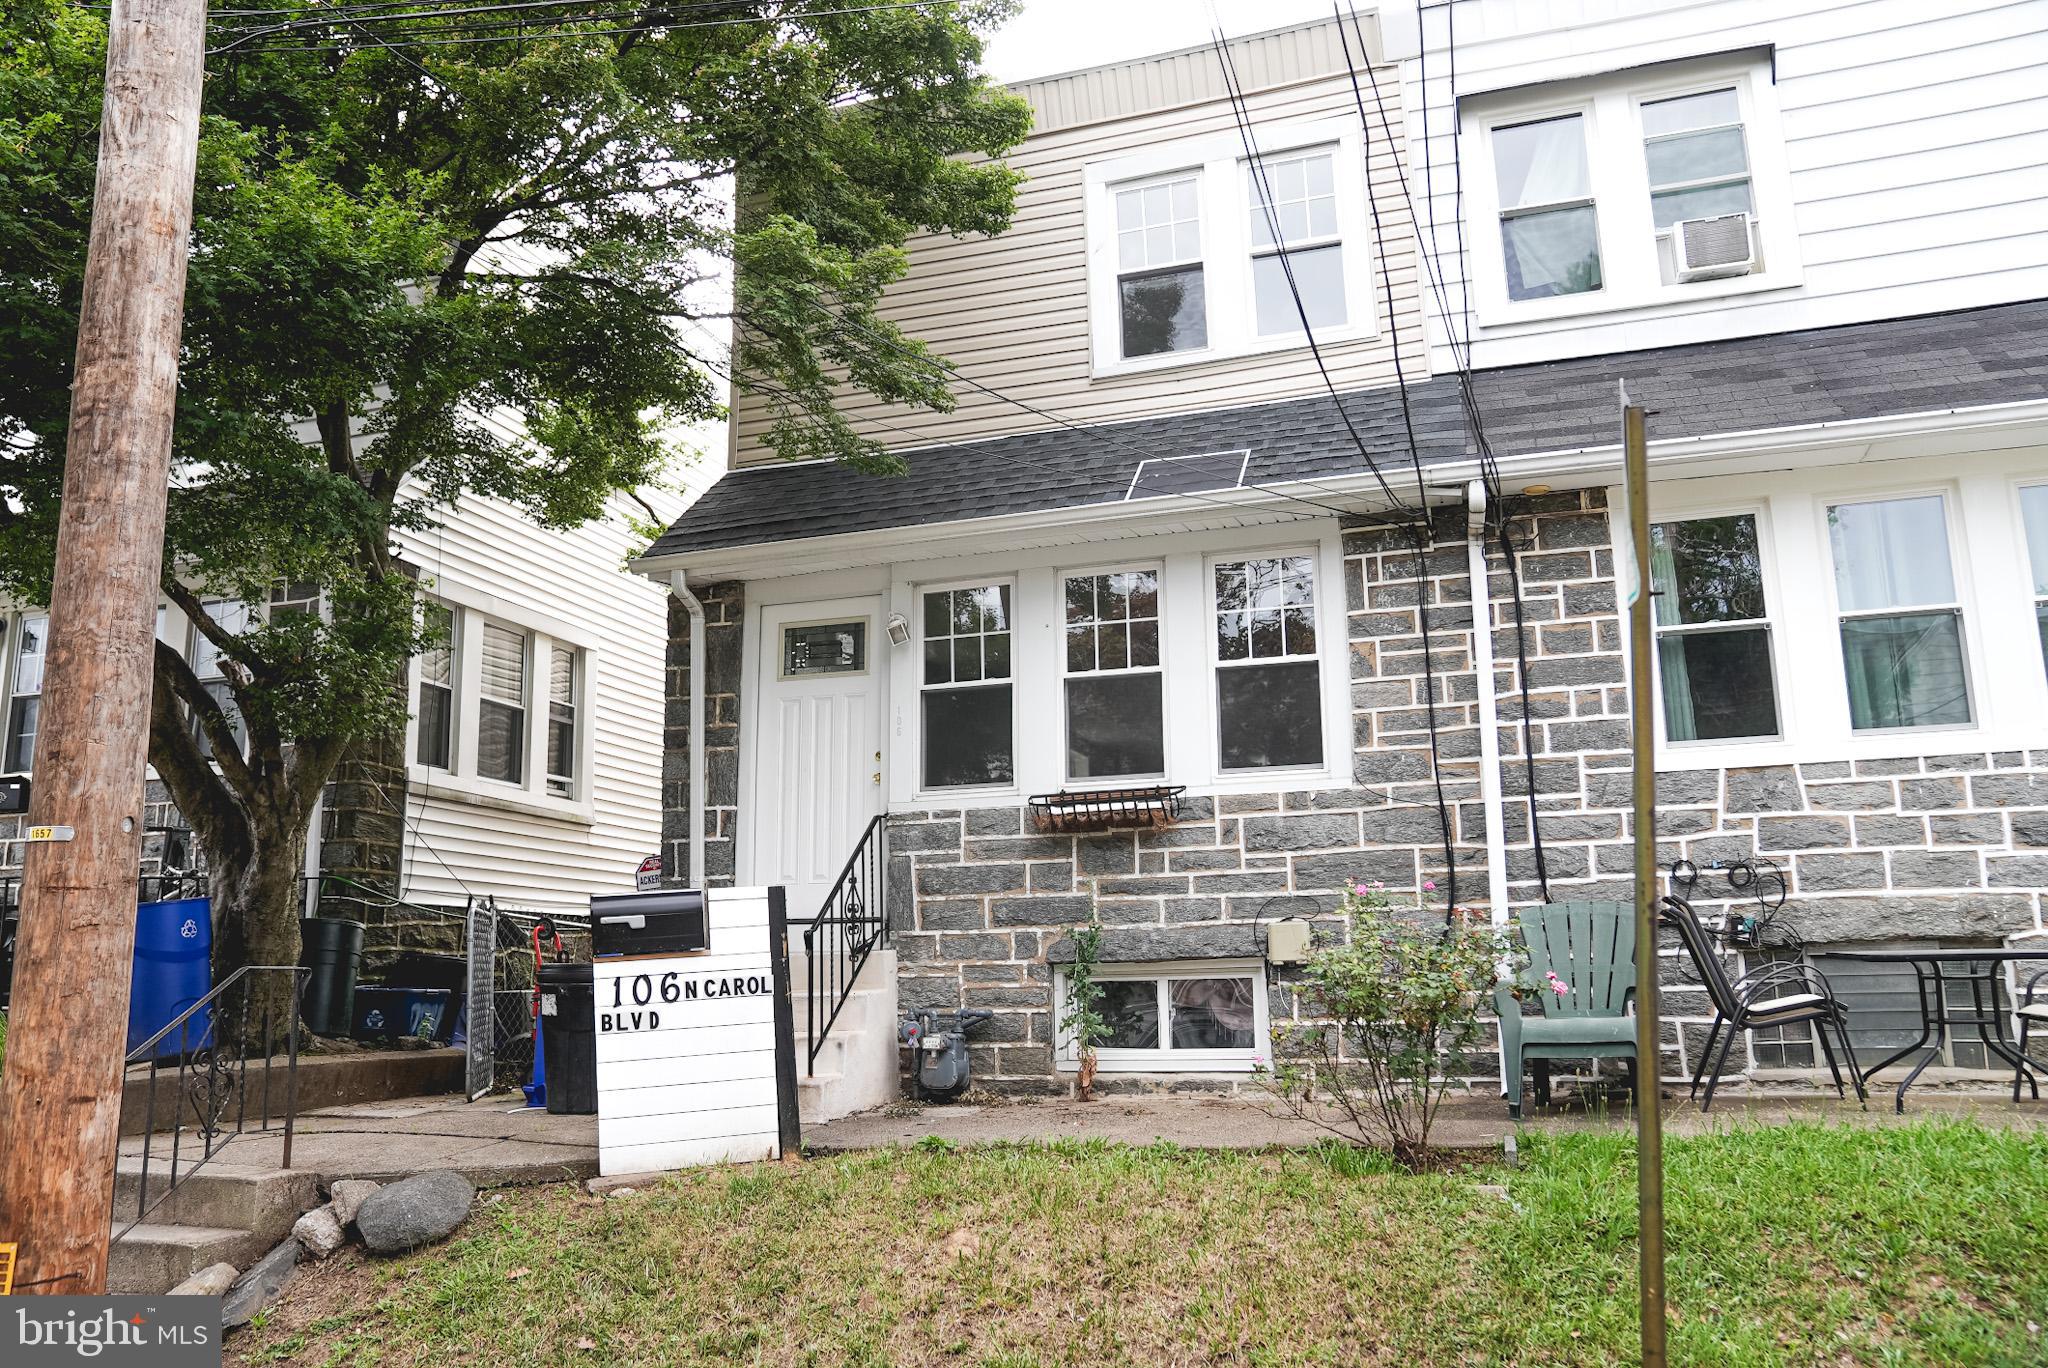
644	990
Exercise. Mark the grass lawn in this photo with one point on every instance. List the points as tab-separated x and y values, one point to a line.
1789	1245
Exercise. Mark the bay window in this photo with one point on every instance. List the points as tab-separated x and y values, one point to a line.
967	727
1294	230
1713	630
2034	512
1550	234
1900	619
501	706
1268	673
1162	297
31	642
1115	698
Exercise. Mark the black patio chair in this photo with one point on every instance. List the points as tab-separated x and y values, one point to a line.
2034	1009
1786	993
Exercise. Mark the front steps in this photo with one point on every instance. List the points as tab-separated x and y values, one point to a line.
220	1214
857	1065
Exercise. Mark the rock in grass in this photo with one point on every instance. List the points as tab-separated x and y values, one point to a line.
347	1198
214	1280
260	1286
319	1232
414	1211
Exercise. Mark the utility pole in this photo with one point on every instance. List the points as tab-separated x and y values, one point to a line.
60	1097
1649	1070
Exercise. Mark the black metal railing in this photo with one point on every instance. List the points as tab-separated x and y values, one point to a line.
213	1078
853	922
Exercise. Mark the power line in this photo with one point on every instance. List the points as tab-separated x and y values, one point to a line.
1241	115
651	23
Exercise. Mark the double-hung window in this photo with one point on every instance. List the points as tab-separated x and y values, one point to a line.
1115	699
501	706
562	700
1713	630
31	642
968	724
234	619
1162	298
1294	232
1268	673
1550	232
434	746
2034	510
1697	160
1901	619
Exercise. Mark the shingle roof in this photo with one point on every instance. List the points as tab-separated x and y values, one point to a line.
1865	370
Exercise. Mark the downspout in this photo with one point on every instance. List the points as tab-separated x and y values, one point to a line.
679	585
1489	717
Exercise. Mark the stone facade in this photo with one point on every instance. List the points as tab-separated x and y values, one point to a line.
1939	846
724	612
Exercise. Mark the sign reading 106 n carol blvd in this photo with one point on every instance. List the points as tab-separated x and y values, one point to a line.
696	1055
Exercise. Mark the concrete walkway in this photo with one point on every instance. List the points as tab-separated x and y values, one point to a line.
1464	1123
495	1142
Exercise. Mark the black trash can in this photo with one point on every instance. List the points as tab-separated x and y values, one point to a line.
420	969
568	1038
333	949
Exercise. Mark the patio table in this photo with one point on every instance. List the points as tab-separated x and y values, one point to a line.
1933	972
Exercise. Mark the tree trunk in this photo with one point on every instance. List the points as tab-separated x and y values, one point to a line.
256	899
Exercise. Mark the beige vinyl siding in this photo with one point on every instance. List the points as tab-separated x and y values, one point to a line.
1011	312
453	847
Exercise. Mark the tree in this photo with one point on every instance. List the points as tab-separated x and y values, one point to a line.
399	240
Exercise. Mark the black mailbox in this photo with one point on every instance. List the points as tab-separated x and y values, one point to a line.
13	793
670	922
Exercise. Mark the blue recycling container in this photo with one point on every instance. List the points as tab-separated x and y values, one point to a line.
173	969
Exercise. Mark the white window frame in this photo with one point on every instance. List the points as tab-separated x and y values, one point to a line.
1223	189
452	688
461	783
1217	664
15	636
1767	574
2033	573
992	580
1037	655
563	785
529	655
1066	674
1630	243
1988	556
1165	1059
1960	605
1254	186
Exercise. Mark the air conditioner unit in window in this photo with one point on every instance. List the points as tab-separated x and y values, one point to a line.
1708	248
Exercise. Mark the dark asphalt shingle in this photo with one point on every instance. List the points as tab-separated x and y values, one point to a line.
1863	370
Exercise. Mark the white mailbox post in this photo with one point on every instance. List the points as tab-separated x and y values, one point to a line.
696	1050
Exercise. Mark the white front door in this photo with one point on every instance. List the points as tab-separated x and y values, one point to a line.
818	743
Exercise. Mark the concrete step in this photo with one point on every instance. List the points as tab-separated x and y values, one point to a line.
262	1201
153	1259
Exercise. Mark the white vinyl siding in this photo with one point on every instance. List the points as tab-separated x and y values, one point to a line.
1913	140
527	847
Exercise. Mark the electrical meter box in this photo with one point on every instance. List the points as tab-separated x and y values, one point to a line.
1287	942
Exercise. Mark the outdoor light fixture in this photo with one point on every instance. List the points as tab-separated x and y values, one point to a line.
899	630
1536	489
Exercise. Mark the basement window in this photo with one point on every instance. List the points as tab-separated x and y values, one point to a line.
1195	1016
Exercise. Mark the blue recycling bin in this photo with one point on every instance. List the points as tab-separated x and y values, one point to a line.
173	969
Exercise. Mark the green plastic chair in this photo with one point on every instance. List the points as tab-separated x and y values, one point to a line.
1591	947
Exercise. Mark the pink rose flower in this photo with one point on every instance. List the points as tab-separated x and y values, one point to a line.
1429	886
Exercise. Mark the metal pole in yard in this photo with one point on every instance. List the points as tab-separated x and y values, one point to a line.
1642	719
